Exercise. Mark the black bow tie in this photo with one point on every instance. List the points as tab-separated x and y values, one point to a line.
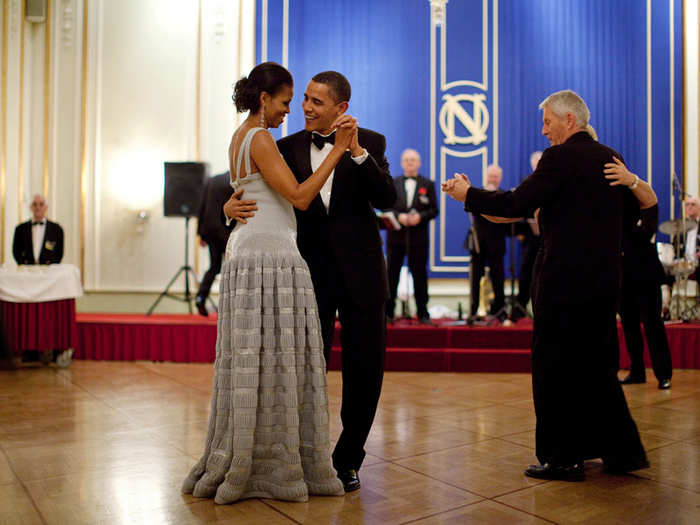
319	140
34	223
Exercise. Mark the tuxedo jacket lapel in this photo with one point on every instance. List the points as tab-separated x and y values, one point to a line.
302	153
302	158
28	241
401	193
341	171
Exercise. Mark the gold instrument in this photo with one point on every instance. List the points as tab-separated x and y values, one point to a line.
486	294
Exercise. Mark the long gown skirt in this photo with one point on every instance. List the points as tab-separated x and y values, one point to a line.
268	429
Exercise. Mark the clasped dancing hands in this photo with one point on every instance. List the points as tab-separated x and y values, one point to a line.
346	127
457	187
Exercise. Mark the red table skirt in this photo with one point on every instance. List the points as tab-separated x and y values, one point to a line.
48	325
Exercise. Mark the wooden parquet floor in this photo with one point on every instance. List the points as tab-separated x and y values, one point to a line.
110	442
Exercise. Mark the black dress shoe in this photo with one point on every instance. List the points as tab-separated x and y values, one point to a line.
349	479
201	306
560	472
426	320
664	384
633	380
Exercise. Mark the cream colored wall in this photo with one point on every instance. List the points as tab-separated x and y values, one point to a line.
143	90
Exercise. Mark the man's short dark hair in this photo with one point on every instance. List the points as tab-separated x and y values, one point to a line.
338	84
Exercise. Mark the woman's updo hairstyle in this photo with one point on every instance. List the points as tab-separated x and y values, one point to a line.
268	76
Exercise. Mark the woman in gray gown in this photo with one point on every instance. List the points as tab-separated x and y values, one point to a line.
268	428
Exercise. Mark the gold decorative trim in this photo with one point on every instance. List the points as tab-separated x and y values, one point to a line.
47	89
3	132
83	141
20	153
198	117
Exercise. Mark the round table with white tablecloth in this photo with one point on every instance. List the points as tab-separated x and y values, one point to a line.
37	308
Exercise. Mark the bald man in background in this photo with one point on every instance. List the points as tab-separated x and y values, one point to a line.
415	206
38	241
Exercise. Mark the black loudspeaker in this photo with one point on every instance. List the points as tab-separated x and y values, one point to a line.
184	188
35	10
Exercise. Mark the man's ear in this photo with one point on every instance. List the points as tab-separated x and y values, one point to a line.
342	107
570	121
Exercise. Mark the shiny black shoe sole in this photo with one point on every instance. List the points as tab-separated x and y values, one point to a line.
350	480
573	473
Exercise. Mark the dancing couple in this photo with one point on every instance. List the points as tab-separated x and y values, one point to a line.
305	246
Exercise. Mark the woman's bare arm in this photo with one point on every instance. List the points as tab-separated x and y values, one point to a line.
274	169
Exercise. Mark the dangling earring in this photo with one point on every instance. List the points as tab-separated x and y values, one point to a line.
262	117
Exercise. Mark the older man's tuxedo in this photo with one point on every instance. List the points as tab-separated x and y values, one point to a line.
411	241
51	246
580	407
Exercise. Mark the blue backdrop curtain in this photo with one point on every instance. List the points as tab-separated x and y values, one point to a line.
623	57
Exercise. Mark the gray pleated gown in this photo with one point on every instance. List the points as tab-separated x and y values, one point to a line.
268	429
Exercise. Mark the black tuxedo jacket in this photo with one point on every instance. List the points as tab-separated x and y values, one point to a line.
210	225
346	238
424	202
491	237
51	247
581	218
640	259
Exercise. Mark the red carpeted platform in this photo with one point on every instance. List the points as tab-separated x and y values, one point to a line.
410	347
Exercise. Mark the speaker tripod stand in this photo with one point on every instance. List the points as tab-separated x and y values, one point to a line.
187	270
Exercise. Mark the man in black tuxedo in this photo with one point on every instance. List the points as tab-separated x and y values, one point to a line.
212	231
580	407
38	241
642	275
415	206
339	238
491	242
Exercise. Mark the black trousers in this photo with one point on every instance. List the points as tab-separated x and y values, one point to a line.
581	409
363	346
641	303
217	247
495	262
417	264
527	263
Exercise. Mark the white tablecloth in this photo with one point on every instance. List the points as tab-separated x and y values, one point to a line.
39	283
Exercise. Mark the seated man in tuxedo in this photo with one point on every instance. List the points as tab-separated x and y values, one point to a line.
415	205
38	241
213	232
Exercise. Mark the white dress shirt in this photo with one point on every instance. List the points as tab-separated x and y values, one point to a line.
410	184
317	158
691	246
38	233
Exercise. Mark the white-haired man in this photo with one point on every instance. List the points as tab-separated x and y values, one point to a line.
415	206
38	241
580	406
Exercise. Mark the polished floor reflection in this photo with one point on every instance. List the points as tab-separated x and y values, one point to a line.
110	442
